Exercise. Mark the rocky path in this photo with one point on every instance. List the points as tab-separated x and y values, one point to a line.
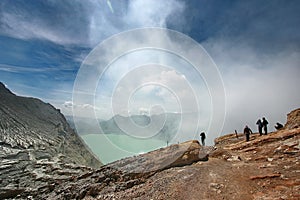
267	167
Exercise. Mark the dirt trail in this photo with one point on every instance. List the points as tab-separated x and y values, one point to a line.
267	167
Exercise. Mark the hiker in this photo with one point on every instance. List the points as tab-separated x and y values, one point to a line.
278	126
203	137
247	132
260	126
265	125
236	134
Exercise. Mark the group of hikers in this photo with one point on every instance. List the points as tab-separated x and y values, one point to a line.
262	126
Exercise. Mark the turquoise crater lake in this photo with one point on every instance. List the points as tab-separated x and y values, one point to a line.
112	147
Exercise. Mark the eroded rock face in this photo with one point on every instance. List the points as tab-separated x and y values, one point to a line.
130	172
293	119
35	143
29	123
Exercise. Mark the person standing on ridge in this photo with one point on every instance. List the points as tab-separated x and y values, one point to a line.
265	125
247	132
236	134
203	137
260	126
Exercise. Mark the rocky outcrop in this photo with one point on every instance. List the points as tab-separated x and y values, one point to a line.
36	143
293	119
175	155
130	172
25	179
29	123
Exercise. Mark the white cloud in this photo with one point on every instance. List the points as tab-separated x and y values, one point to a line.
150	85
24	69
34	28
257	84
143	111
68	104
147	78
152	13
86	110
139	14
84	22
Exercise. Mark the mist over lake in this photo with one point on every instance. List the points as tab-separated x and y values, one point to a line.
121	137
112	147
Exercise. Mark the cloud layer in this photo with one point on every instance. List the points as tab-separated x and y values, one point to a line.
255	44
82	22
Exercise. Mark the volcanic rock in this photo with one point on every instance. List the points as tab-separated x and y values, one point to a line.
293	120
37	163
37	147
266	167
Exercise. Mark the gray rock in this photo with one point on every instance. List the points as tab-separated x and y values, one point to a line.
35	143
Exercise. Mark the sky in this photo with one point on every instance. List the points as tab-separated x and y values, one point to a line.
255	46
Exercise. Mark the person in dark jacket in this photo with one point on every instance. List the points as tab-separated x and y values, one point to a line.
247	132
203	137
278	126
260	126
265	125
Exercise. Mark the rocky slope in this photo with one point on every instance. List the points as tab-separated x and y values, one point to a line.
266	167
36	143
35	166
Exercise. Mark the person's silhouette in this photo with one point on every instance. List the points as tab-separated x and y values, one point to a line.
203	137
278	126
247	132
265	125
260	126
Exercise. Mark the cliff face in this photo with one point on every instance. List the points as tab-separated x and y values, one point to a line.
32	133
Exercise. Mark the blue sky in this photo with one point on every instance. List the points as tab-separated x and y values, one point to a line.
255	44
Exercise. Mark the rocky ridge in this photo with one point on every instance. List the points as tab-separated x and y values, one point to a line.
266	167
37	146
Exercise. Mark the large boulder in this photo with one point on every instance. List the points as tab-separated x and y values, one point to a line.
129	172
175	155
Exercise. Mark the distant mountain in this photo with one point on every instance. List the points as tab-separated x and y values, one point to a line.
84	125
163	126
